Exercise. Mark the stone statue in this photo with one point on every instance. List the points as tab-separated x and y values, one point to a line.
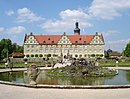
32	73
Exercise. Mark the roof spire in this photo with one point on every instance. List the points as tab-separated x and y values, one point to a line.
31	33
77	30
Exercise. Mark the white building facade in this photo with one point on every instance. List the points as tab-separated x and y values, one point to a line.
77	45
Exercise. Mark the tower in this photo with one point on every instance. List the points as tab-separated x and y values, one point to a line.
76	30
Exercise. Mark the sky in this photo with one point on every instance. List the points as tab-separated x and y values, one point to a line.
52	17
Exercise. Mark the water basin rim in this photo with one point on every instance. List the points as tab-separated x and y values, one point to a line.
63	86
66	86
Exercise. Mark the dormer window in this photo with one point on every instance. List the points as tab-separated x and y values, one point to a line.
79	38
48	38
84	41
52	41
76	41
44	41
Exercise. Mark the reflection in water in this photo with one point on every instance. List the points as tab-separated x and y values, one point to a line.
12	76
71	80
20	77
128	75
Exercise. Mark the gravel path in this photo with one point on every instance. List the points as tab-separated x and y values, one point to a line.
15	92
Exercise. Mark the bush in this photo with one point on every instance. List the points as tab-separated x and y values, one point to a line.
92	55
27	55
97	55
55	55
48	55
25	59
85	55
36	55
32	55
76	55
101	55
80	55
40	55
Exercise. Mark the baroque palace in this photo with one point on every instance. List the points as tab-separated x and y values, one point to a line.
76	45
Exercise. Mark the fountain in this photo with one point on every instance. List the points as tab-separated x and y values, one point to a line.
83	68
80	72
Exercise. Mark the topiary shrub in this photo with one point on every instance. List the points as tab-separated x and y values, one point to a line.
85	55
97	55
48	55
80	55
92	55
101	55
36	55
27	55
40	55
32	55
55	55
76	55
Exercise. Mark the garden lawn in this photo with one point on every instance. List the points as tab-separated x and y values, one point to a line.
21	65
113	64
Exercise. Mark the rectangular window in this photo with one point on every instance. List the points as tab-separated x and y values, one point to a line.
86	50
27	46
32	46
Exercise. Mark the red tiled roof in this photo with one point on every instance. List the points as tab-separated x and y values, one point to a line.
53	39
114	53
47	39
17	54
80	39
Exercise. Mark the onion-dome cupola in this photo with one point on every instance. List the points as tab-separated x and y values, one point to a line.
76	30
109	51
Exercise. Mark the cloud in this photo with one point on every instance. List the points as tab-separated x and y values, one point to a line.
119	41
16	30
12	30
1	29
117	45
10	12
66	22
108	9
26	15
110	33
102	9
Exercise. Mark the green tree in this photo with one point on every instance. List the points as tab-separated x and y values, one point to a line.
127	50
4	52
19	48
5	46
14	47
107	55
